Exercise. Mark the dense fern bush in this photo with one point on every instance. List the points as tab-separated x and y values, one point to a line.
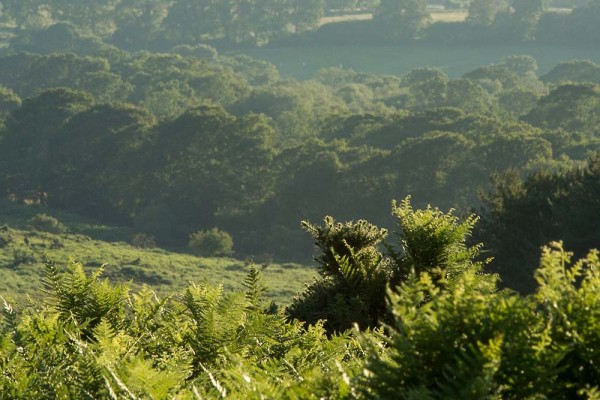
435	242
446	332
93	340
462	343
355	273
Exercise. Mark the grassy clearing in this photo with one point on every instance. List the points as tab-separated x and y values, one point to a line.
22	252
334	19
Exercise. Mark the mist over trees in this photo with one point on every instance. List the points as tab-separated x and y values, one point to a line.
176	143
145	118
160	25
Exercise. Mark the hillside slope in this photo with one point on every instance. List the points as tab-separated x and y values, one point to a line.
23	251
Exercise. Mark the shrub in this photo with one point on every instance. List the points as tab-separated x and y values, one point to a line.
143	241
354	275
213	242
5	240
23	256
46	223
56	244
469	344
88	338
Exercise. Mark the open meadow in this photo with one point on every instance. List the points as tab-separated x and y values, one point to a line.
440	16
23	251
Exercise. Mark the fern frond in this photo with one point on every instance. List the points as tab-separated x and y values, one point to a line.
51	281
216	384
254	288
9	316
350	271
120	384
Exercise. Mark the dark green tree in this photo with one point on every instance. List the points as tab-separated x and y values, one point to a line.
520	215
190	21
403	19
26	153
468	96
58	70
211	164
14	67
355	274
139	22
527	15
580	71
518	102
94	16
26	14
9	101
573	107
306	14
211	243
61	37
482	12
98	162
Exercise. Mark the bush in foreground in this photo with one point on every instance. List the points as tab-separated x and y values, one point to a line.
449	333
462	343
355	272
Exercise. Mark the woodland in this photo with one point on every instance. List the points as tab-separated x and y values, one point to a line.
157	186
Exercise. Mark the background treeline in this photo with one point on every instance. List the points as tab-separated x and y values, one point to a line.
442	329
176	143
162	24
535	210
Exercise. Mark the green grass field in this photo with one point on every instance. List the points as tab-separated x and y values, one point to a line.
22	252
303	62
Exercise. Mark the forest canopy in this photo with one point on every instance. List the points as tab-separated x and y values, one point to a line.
155	24
173	144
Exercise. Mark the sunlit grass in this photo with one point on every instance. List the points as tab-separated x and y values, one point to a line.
345	18
449	16
441	16
23	254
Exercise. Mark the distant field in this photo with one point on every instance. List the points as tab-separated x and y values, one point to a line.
442	16
165	272
304	62
436	16
449	16
345	18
